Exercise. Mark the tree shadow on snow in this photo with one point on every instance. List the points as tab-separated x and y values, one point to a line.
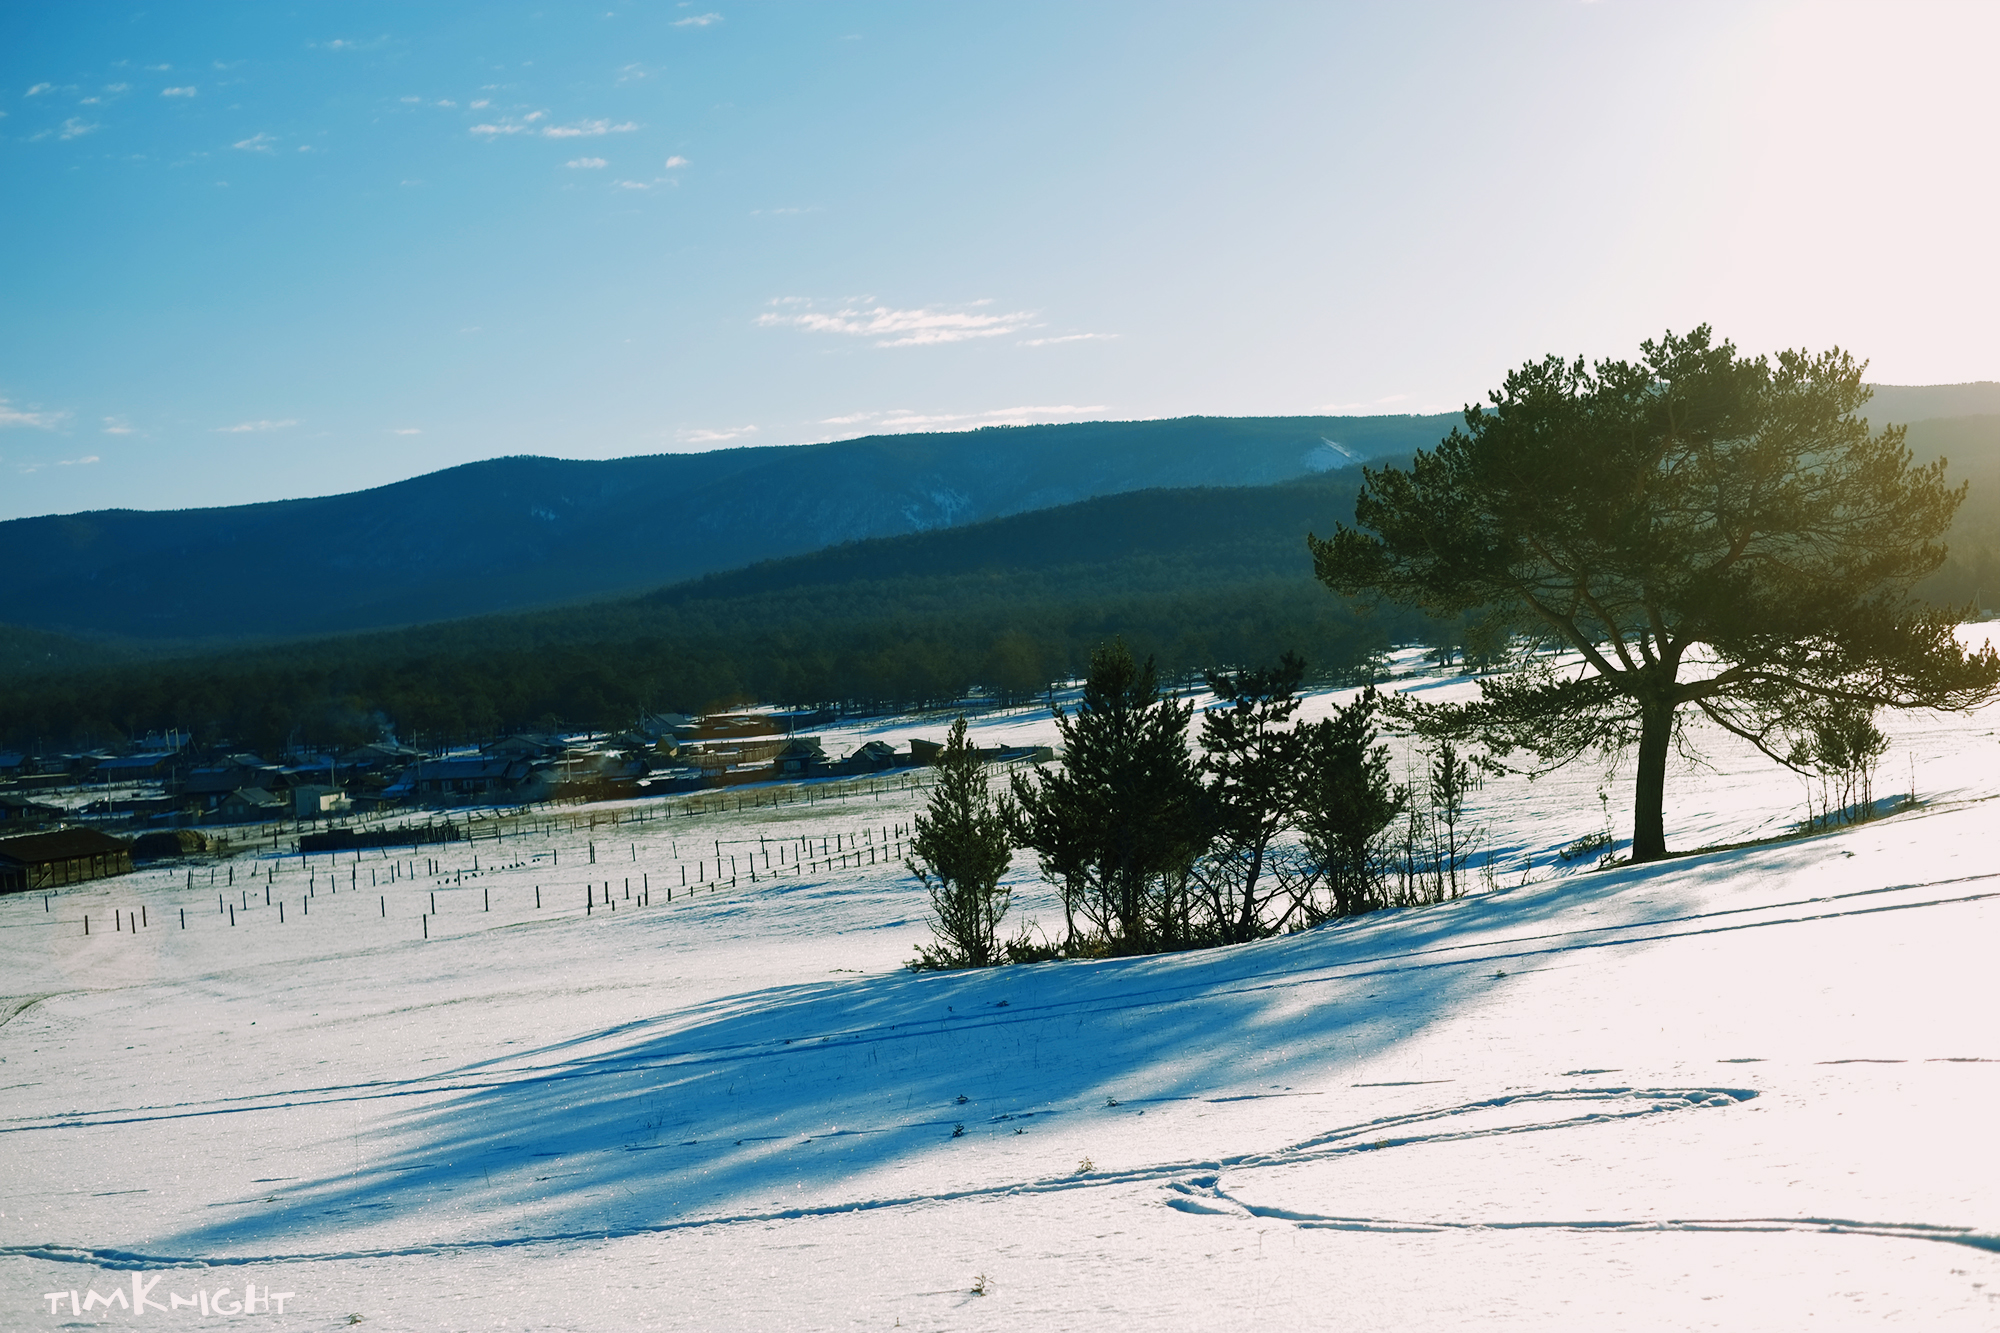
847	1093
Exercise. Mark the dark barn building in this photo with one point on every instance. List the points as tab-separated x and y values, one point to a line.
42	861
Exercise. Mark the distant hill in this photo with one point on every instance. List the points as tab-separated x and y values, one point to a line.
1902	404
1196	576
1971	446
513	533
1199	576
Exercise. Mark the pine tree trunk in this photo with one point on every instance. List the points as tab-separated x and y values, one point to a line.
1649	824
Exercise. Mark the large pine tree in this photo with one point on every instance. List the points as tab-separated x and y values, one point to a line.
1704	530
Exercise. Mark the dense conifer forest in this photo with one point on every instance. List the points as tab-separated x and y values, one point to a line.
1191	578
1198	578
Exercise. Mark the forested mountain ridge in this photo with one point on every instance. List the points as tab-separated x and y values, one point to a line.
513	533
1196	576
1201	576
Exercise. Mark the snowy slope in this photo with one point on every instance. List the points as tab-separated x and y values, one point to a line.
1745	1089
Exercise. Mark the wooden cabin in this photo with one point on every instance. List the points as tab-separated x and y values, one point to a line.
38	862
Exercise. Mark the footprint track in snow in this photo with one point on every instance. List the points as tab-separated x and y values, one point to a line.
1511	1113
1204	1195
1193	1185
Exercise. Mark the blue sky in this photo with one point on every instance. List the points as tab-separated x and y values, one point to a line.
252	251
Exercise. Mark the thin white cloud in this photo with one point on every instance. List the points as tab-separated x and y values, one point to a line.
1354	409
159	69
405	430
14	416
117	87
41	88
116	426
188	91
714	436
256	143
890	327
1068	338
76	129
481	103
498	129
247	427
446	101
588	129
586	163
904	420
698	21
410	101
675	161
85	461
1027	416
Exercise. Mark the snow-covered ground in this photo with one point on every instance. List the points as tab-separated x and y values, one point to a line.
1747	1089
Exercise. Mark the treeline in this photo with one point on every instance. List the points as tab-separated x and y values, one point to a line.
1197	578
468	682
1194	578
1270	823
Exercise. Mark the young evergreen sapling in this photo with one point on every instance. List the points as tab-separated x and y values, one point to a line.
959	849
1118	826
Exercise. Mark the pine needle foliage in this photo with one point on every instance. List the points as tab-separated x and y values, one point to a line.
1252	758
959	850
1705	531
1117	827
1840	746
1345	801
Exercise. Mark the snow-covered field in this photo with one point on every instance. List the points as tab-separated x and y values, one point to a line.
1747	1089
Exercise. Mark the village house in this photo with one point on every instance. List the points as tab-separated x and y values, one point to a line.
314	801
18	812
208	787
251	805
801	758
462	778
375	757
130	767
874	757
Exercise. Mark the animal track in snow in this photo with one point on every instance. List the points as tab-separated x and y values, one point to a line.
1194	1183
1203	1195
